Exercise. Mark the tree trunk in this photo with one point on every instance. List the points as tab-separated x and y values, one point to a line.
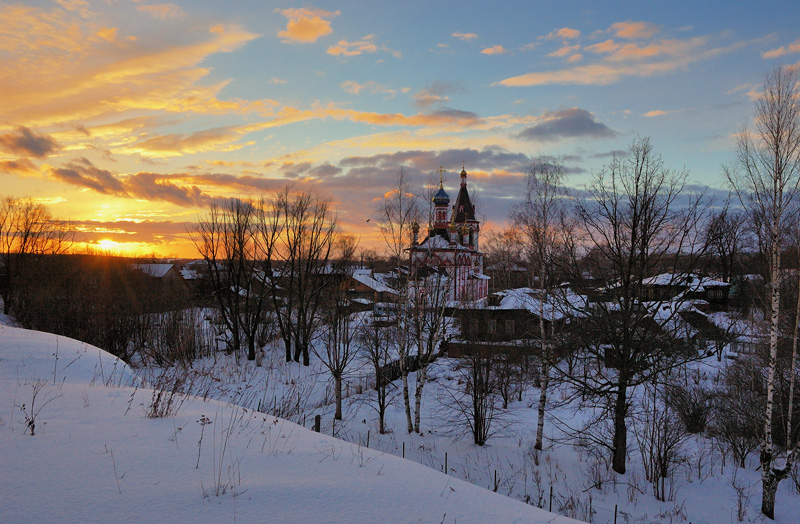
769	479
542	406
406	399
251	348
769	484
545	378
337	378
620	430
421	376
287	344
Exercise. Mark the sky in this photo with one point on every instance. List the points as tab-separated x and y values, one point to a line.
129	117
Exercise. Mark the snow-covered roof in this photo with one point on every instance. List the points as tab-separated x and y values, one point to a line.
154	270
558	305
437	242
364	276
189	274
691	281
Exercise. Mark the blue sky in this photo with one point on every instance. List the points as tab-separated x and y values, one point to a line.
128	117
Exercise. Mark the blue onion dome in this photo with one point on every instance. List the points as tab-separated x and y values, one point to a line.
441	197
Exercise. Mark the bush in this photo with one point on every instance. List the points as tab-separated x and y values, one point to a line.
693	404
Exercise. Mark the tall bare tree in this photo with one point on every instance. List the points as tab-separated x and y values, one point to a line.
766	177
542	221
375	342
635	227
237	242
301	267
396	215
338	350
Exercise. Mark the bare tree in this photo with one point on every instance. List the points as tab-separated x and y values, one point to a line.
397	214
301	267
375	342
428	298
635	227
541	219
237	241
725	236
504	255
766	178
338	351
27	229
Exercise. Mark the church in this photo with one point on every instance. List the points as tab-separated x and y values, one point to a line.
452	247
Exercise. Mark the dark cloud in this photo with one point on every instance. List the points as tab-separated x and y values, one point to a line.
457	115
567	123
437	93
152	186
82	172
619	153
18	166
489	158
324	171
24	142
291	170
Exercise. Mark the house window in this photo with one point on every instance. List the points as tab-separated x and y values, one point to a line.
491	327
509	327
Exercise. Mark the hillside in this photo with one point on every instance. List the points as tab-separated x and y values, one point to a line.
96	456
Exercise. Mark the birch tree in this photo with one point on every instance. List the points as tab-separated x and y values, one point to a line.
396	215
766	177
541	220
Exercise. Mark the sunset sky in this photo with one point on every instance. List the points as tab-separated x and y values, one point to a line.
129	117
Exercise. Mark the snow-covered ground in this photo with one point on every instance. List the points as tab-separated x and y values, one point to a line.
97	457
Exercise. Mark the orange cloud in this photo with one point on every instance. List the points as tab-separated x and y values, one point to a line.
794	47
564	51
62	77
353	87
20	166
629	60
306	25
365	45
633	30
608	46
494	50
565	33
465	36
162	11
109	34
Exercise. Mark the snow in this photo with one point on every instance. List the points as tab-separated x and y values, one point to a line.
364	276
559	305
96	457
154	270
691	281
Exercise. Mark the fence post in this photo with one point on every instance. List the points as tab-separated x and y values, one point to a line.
445	463
404	450
615	514
317	422
551	502
367	438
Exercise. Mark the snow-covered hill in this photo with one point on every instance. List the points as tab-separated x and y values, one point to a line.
97	457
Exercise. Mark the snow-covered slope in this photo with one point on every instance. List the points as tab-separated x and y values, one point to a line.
97	457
